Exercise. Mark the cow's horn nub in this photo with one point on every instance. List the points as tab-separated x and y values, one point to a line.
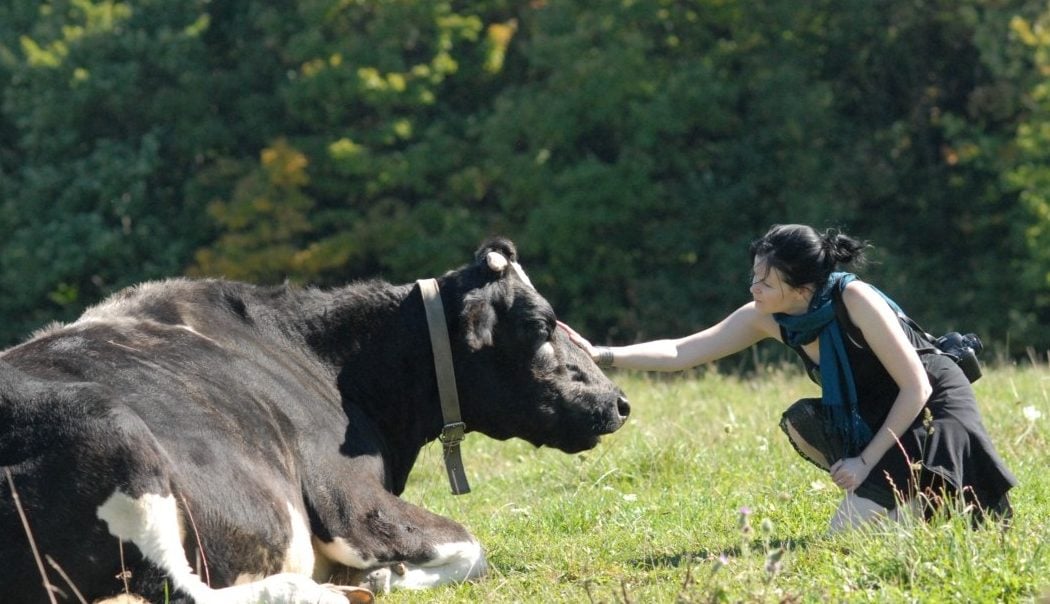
496	261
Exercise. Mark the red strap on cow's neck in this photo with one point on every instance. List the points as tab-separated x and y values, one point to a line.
454	429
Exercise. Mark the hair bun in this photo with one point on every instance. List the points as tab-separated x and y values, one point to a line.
841	248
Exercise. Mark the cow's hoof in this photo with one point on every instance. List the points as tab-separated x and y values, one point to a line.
356	595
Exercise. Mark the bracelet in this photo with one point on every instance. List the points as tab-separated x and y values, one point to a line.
604	358
861	458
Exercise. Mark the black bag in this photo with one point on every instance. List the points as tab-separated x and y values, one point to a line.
963	349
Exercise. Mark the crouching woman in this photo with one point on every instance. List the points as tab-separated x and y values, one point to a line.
897	424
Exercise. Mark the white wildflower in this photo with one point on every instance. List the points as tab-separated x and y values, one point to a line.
1031	413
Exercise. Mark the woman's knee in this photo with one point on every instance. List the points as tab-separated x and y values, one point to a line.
804	447
854	511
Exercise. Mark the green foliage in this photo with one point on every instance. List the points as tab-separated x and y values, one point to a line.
1031	170
641	162
631	149
265	221
94	169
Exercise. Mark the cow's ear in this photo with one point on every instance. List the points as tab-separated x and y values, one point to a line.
479	319
503	247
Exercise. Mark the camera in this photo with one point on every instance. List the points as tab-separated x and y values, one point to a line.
963	349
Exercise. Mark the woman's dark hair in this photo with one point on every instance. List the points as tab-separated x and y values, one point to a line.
805	257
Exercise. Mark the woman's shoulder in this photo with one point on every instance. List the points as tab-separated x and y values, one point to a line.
863	302
859	293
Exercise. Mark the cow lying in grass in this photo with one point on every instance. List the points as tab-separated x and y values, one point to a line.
213	441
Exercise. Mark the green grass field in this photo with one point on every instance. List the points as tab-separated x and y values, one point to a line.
654	513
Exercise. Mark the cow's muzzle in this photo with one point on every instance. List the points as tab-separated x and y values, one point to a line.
616	415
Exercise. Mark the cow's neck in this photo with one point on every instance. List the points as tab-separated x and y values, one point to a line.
376	336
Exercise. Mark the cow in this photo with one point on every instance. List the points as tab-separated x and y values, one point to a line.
207	440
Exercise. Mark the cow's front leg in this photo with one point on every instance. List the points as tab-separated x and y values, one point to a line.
453	563
399	545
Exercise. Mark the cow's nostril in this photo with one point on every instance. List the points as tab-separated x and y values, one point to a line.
622	406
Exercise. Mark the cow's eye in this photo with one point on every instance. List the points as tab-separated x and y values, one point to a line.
544	333
543	343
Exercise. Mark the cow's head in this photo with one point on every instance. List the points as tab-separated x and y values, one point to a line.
519	374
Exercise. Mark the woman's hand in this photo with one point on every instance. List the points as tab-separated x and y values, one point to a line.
848	473
579	340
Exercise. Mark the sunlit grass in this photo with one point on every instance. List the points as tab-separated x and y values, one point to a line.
700	498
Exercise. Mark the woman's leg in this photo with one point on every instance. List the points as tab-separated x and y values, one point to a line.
804	448
855	511
803	424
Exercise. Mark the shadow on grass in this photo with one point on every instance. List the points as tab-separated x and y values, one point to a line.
686	558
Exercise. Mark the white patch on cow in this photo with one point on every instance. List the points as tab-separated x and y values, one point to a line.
152	523
496	261
521	274
300	555
344	553
454	563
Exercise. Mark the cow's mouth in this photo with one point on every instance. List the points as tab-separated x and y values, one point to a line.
606	420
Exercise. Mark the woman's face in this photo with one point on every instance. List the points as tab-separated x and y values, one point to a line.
773	295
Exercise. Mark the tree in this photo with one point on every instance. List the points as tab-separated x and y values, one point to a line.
1030	174
632	149
93	197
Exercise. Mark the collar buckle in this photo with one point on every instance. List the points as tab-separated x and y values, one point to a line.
452	434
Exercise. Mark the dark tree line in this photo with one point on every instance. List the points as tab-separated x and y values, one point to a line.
631	149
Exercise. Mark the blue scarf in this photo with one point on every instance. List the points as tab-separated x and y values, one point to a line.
839	395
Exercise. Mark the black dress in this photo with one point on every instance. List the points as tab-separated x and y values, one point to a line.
946	451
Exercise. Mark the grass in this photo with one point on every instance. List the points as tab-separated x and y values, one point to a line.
700	498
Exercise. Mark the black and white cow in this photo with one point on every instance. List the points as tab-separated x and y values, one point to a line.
214	441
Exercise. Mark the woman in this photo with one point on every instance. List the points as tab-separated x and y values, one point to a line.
889	400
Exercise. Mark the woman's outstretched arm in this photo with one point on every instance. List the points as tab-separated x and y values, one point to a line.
744	327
